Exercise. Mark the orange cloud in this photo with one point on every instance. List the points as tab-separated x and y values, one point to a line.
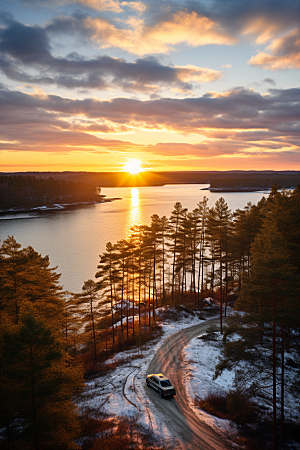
264	28
107	35
240	124
100	5
181	28
138	6
190	28
201	74
284	53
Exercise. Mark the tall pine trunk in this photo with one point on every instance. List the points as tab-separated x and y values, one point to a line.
274	372
282	383
33	405
93	327
133	300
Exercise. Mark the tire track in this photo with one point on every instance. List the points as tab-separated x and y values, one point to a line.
105	401
142	401
123	390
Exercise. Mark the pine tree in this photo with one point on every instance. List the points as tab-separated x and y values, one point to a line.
26	276
219	225
201	213
12	272
274	283
123	252
109	274
270	299
163	233
37	373
72	322
176	217
89	298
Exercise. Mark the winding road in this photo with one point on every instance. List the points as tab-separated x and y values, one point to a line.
179	418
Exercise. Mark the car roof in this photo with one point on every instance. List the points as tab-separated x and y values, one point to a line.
158	375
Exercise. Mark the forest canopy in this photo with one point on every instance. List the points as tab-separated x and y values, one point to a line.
38	377
254	182
29	191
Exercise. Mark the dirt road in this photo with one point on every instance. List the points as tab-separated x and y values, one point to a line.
179	418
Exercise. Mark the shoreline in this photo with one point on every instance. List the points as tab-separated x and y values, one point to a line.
238	189
55	206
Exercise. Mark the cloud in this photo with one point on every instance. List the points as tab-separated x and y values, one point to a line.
261	20
263	28
97	5
269	81
27	44
284	53
23	48
138	6
182	27
237	122
191	28
193	73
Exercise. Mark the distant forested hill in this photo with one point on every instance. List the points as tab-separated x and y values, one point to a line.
256	181
226	180
29	191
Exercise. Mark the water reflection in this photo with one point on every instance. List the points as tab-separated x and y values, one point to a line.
135	200
134	213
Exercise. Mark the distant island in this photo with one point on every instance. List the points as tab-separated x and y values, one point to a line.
28	192
255	182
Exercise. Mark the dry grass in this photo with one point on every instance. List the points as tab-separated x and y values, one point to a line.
215	404
233	405
91	426
105	434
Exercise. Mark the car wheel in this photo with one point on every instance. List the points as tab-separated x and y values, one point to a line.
160	393
148	384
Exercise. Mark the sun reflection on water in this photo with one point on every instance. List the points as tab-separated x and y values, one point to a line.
135	197
134	216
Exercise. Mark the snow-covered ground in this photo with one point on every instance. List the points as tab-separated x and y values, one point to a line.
199	365
201	358
122	392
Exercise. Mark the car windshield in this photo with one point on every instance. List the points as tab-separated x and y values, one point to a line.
165	383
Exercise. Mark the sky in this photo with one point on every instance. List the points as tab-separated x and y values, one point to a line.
177	85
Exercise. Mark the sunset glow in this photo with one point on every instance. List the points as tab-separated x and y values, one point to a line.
133	166
182	85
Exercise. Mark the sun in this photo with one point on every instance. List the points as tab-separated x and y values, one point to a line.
133	166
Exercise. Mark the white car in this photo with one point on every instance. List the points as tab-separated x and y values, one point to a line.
161	384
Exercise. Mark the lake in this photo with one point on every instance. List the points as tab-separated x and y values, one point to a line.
74	238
